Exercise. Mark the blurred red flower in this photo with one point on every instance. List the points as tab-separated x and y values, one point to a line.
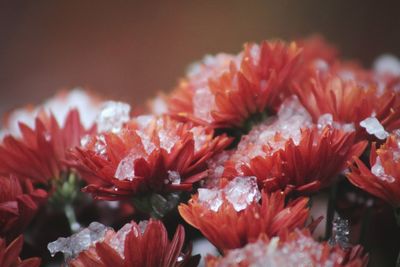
19	202
9	255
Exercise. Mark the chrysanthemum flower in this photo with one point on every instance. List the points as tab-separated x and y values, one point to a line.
143	244
9	255
150	155
349	101
232	217
235	88
383	178
297	248
19	202
290	152
44	136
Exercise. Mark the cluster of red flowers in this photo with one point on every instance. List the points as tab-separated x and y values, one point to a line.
240	148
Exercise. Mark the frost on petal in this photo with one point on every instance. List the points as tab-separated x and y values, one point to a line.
73	245
112	116
199	136
118	240
125	169
167	139
374	127
327	119
379	171
242	191
203	99
211	198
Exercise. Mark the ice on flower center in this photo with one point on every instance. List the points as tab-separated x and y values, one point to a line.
73	245
374	127
240	192
112	116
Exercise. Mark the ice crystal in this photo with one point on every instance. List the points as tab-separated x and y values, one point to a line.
374	127
174	177
378	170
112	116
118	240
340	233
242	191
387	64
126	167
73	245
327	119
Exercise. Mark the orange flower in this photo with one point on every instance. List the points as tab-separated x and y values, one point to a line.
297	248
288	151
383	178
143	244
19	202
229	224
348	101
237	87
9	255
305	165
150	155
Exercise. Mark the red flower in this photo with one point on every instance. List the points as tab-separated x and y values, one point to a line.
42	149
158	156
19	202
297	248
348	100
305	165
137	245
228	227
9	255
251	83
383	179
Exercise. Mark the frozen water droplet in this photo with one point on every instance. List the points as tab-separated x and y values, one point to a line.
324	120
174	177
340	233
112	116
147	143
126	167
167	139
374	127
242	191
118	240
144	121
378	170
203	99
85	140
75	244
211	198
387	64
100	145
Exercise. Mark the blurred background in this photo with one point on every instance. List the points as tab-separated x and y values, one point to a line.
129	50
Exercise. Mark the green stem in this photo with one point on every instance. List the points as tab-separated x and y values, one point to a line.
70	214
330	213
